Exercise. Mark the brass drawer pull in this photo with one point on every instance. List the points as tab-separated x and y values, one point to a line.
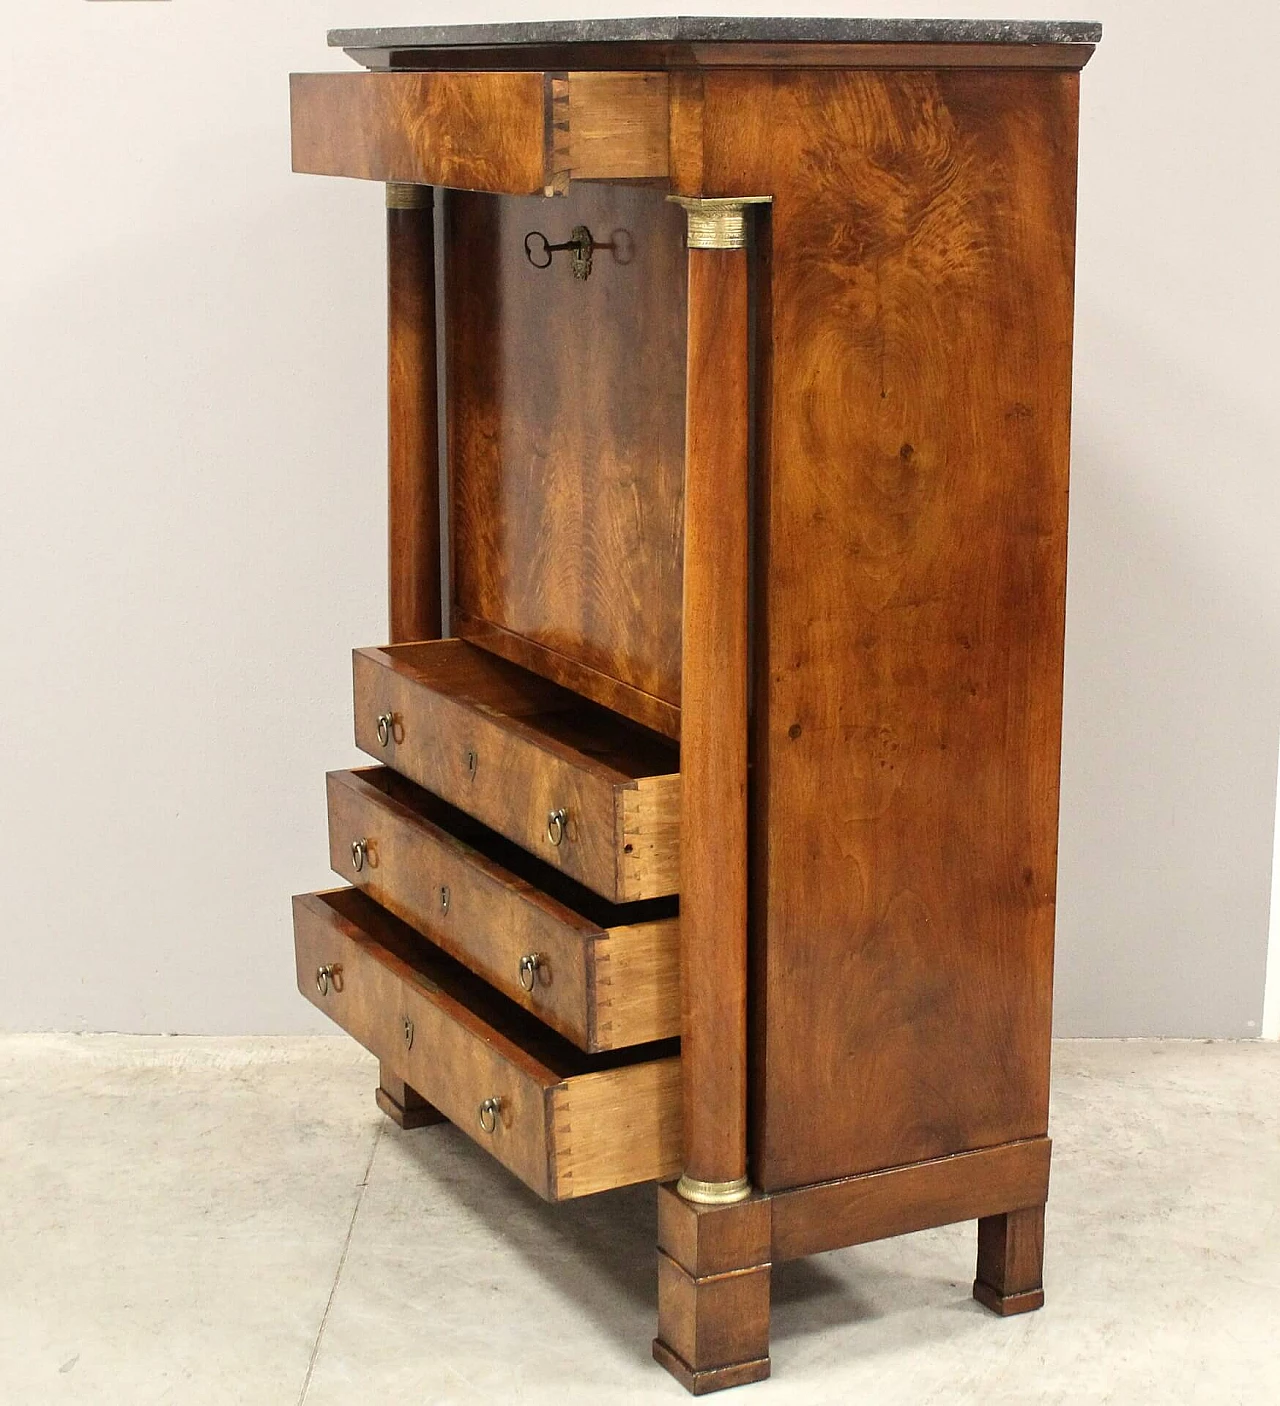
408	1033
359	853
530	965
444	900
556	822
386	728
471	760
329	976
489	1110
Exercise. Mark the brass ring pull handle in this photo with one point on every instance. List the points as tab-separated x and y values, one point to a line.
386	727
489	1110
556	823
329	977
530	965
359	853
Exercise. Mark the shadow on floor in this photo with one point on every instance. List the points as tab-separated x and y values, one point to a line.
599	1252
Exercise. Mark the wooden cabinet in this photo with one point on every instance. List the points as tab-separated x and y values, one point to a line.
723	691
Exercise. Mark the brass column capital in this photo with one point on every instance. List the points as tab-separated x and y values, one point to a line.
402	195
718	222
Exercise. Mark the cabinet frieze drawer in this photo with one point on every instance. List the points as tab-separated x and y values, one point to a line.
567	1124
582	789
604	976
508	133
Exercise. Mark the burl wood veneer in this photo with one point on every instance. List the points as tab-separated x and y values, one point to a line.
749	548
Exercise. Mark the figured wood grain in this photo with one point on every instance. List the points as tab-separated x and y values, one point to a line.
475	131
714	691
538	748
605	978
566	443
413	463
567	1124
876	1205
914	478
513	133
615	1128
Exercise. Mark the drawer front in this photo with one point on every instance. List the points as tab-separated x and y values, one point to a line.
604	988
479	913
428	1042
509	133
615	833
565	1125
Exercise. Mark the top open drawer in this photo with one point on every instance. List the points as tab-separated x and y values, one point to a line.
508	133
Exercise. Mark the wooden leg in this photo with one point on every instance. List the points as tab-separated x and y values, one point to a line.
713	1291
1011	1262
404	1106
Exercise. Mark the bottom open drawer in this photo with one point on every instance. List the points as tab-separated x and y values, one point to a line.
566	1123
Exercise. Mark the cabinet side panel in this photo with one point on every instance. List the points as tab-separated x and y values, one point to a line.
566	439
912	606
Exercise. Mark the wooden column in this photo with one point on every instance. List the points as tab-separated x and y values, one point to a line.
413	478
713	707
413	465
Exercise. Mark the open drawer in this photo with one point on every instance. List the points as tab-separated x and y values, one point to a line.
567	1124
505	132
604	976
583	789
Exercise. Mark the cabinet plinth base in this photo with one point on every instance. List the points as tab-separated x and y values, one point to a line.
713	1291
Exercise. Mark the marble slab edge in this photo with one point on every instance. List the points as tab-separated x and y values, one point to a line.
711	29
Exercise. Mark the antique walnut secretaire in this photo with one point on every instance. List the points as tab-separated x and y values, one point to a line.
713	836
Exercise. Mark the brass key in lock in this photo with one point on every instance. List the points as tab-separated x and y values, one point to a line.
539	250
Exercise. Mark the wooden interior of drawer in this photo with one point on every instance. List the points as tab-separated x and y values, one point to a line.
608	974
566	441
571	1123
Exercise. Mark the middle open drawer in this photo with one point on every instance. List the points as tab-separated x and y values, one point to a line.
605	976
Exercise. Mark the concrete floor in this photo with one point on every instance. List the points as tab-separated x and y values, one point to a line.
210	1221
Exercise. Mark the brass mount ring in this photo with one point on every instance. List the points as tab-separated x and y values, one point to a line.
386	724
328	977
489	1114
359	853
556	823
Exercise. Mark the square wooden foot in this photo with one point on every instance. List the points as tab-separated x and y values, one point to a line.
1011	1262
713	1292
403	1105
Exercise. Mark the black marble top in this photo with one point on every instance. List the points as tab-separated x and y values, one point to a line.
712	29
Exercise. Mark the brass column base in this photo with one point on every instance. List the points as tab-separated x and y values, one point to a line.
713	1193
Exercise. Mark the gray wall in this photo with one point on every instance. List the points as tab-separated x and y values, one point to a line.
192	526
